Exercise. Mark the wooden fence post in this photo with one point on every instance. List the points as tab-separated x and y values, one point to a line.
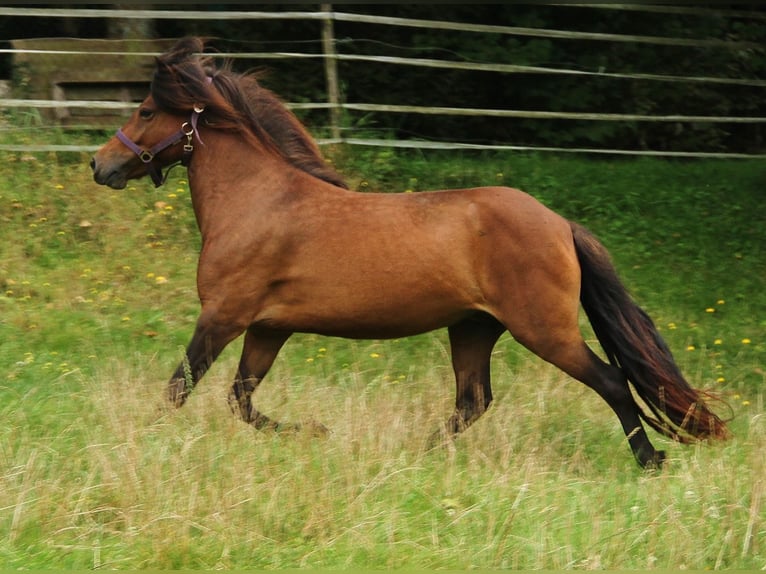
331	71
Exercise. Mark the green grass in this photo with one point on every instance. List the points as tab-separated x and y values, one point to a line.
97	301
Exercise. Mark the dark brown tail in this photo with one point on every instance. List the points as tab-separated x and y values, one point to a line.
632	343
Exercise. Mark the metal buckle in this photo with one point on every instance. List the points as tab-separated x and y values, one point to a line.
146	156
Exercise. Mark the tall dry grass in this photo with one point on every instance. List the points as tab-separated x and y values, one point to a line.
544	480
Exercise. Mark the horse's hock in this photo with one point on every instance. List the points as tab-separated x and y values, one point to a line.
69	69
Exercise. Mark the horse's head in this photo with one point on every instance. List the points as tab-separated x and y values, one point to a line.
160	131
152	139
186	82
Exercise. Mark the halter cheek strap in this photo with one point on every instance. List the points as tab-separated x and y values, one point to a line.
187	131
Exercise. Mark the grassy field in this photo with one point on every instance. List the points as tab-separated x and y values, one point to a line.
97	301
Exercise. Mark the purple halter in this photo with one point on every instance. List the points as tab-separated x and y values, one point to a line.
187	131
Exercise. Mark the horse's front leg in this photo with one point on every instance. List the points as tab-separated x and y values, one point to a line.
209	339
258	353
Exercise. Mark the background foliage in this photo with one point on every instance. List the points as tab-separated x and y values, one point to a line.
298	80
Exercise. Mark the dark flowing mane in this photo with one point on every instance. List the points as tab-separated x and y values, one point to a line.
185	77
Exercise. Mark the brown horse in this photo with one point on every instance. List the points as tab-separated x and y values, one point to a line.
286	248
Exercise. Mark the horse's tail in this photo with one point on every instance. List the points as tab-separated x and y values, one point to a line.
632	343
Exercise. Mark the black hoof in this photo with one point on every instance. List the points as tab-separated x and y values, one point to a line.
178	391
310	427
653	461
315	429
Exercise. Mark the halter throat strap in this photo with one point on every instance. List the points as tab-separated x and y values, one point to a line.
187	130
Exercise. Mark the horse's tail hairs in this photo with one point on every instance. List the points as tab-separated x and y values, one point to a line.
632	343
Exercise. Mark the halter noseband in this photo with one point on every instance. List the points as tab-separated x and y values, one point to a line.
147	156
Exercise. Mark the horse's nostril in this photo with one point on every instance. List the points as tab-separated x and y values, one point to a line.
93	163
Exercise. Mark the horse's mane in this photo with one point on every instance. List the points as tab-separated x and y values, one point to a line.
185	77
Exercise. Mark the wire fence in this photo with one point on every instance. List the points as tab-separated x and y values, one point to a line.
329	57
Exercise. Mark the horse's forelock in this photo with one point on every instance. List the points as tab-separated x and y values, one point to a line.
181	76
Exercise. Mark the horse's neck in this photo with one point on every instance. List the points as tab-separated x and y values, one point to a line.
228	175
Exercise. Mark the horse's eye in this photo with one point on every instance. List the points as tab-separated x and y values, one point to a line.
145	114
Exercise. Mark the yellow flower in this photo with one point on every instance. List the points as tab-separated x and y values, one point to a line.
710	310
720	302
718	342
746	341
375	355
691	348
745	403
160	280
671	326
720	380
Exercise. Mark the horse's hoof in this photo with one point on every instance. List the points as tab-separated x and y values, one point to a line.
315	429
653	462
310	427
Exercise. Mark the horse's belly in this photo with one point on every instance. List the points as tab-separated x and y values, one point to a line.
374	314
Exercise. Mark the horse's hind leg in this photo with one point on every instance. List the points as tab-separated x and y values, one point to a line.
471	344
612	386
574	357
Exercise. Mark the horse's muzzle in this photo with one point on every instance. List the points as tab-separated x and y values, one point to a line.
102	175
